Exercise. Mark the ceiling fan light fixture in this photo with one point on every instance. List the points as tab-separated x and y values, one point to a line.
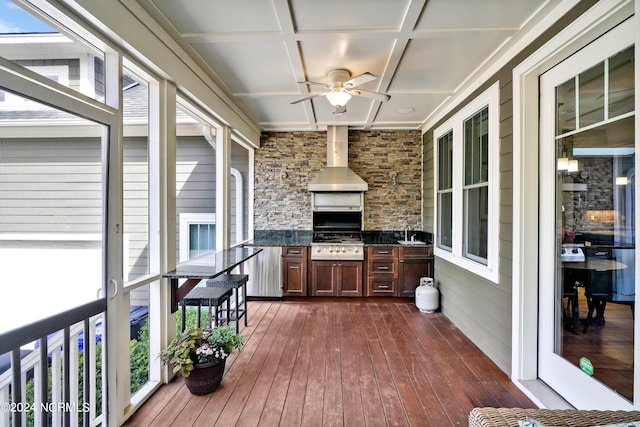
338	98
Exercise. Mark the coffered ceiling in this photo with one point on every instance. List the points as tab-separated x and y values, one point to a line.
420	50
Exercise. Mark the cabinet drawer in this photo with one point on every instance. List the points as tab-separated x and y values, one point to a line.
382	252
420	252
294	251
382	287
384	267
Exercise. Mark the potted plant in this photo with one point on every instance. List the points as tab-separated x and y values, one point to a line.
201	355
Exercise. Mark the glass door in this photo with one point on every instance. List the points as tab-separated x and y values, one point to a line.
587	211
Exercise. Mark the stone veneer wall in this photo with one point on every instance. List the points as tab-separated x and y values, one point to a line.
287	161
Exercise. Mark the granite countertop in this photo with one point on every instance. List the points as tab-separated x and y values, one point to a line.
281	238
390	238
303	238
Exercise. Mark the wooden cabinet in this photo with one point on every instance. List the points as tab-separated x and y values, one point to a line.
415	262
336	278
382	271
294	271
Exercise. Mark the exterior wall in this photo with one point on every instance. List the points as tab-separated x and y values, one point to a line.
287	161
196	180
41	182
480	308
32	171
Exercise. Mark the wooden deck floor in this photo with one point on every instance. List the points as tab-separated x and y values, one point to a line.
342	363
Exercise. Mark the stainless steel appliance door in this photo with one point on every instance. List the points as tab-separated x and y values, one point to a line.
265	273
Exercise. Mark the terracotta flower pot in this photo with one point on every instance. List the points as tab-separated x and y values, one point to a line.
205	378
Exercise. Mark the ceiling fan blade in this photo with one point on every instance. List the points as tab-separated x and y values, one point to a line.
306	82
359	80
370	94
305	98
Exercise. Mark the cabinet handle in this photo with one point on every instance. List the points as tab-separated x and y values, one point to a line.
383	268
294	252
383	287
384	252
294	267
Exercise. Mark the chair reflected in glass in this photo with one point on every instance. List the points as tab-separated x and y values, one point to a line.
600	284
572	280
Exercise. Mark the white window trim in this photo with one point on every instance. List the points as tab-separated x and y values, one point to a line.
490	271
19	102
186	219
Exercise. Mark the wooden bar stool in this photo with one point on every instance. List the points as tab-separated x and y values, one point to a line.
237	282
213	297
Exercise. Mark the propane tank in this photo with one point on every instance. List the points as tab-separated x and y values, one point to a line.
427	295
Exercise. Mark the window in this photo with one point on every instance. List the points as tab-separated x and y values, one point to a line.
445	191
198	233
476	183
466	188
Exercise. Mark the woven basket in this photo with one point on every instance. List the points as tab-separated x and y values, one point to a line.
507	417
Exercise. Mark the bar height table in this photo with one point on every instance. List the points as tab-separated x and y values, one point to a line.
207	266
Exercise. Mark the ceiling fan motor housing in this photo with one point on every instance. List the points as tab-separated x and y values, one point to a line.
338	76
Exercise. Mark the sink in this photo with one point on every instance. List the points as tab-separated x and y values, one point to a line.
411	242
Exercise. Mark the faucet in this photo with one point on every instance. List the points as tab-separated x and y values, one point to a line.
413	237
407	229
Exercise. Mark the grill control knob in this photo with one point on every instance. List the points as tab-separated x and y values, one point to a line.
344	249
318	250
330	250
356	250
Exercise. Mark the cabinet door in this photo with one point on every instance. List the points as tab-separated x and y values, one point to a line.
411	270
294	280
350	279
323	278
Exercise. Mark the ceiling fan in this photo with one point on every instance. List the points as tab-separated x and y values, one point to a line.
341	87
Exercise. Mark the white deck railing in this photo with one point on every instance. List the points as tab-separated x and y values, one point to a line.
63	407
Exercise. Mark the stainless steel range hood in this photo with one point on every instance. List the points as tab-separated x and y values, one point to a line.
337	176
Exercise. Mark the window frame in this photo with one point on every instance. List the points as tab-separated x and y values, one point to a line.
186	220
458	253
442	192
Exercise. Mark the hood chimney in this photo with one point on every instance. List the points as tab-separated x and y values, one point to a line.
337	176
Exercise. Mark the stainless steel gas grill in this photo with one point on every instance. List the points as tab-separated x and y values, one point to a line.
337	227
337	246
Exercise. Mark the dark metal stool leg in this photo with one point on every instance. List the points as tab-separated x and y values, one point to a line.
199	313
244	302
184	315
215	320
237	311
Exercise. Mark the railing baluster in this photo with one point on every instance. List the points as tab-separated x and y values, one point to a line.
40	384
92	372
44	383
74	354
16	389
56	385
66	380
86	383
